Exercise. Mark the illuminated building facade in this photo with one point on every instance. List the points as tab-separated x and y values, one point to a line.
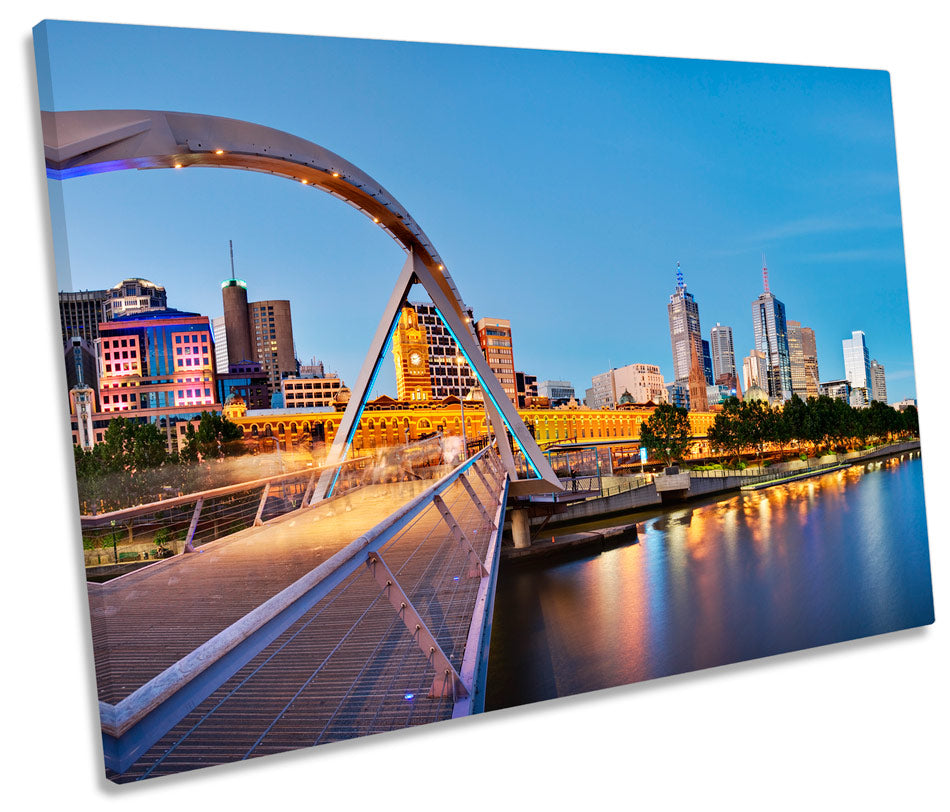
245	380
447	376
644	383
310	393
411	357
156	360
386	422
494	336
135	295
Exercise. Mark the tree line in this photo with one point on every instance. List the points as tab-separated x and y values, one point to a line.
818	425
132	464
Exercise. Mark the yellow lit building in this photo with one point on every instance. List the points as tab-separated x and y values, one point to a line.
387	422
411	356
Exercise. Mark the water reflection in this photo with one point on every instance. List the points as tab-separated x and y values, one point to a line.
808	563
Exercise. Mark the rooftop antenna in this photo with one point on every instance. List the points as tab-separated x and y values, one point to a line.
231	247
680	283
765	273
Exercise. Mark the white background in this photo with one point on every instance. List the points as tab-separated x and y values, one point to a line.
861	724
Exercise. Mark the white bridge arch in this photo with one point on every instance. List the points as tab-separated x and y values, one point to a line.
84	142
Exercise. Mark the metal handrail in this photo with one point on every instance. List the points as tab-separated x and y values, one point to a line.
118	719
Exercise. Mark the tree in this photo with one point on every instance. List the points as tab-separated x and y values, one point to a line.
667	432
758	425
725	434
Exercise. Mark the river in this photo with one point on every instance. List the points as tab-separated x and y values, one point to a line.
817	561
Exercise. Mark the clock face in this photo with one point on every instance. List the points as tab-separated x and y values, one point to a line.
415	359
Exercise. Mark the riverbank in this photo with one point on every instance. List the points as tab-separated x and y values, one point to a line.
573	545
642	495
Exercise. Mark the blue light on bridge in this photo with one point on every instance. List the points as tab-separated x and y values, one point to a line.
486	390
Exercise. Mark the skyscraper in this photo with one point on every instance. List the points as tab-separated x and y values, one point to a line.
723	352
685	334
754	370
878	383
796	359
810	354
771	338
81	312
707	364
857	363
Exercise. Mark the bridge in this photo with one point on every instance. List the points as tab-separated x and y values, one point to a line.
368	612
313	607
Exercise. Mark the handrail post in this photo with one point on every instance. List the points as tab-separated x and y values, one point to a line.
189	548
260	508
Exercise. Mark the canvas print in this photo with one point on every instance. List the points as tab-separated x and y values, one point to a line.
410	381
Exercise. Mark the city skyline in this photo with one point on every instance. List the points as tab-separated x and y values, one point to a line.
822	245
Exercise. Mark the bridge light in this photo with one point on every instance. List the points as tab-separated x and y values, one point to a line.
177	166
375	219
219	152
336	174
441	267
304	180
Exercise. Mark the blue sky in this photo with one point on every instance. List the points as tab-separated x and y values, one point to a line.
561	189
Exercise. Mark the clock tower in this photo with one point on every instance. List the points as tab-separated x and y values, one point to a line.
411	356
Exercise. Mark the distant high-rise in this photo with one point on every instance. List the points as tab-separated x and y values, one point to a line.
878	383
796	359
685	335
707	364
219	328
258	331
136	295
771	338
698	401
560	393
644	382
237	330
857	362
81	312
755	371
527	386
810	354
723	352
494	335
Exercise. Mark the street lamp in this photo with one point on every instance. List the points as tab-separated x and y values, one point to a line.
115	552
458	365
